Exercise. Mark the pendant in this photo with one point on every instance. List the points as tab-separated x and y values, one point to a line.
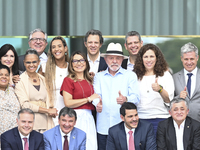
34	80
147	91
61	75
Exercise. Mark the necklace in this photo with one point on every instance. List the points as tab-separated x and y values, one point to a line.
83	89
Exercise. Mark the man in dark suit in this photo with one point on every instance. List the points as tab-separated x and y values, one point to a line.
132	133
187	81
93	41
37	41
178	132
133	43
23	137
55	139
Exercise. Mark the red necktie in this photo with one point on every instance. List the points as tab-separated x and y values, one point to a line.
131	141
25	144
66	145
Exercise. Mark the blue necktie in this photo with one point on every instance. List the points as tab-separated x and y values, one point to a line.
189	83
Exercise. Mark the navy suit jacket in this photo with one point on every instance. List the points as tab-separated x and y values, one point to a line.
166	135
11	140
102	64
144	138
53	141
124	63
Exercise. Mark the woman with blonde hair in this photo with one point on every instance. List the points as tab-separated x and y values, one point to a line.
57	69
78	93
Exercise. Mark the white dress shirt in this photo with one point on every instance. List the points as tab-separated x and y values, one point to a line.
63	138
43	58
130	66
127	134
22	136
193	80
179	135
94	66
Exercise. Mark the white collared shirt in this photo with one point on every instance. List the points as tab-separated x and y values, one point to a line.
127	134
22	136
43	58
94	66
179	135
130	66
193	80
63	138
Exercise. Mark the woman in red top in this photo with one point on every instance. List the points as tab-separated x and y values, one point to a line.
78	94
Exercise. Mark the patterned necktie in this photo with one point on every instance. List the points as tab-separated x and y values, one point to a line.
131	141
189	83
66	145
25	144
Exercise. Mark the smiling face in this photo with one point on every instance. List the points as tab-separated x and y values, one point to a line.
8	59
114	62
189	61
25	123
66	123
179	112
131	118
133	45
31	63
4	79
93	44
38	45
78	63
58	49
149	60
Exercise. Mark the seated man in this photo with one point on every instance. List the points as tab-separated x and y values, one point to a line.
178	131
65	136
131	133
23	137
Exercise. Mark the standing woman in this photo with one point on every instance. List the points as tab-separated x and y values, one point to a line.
155	83
57	69
32	93
8	57
78	93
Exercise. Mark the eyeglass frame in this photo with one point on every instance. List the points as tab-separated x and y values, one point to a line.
75	61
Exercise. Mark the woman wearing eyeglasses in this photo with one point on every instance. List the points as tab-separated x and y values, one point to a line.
78	94
31	92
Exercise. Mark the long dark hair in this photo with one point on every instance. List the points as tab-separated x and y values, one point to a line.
4	49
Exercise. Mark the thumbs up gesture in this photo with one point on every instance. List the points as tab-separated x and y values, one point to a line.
99	106
121	99
155	86
183	93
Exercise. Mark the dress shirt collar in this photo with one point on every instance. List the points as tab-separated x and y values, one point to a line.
127	130
194	72
22	136
97	60
63	134
181	126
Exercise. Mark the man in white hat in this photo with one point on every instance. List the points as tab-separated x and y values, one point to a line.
115	86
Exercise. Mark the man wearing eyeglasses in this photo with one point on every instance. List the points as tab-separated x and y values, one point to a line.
37	41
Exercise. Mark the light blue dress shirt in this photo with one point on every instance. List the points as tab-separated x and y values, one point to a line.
108	86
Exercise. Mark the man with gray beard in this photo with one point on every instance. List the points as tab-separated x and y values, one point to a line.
115	86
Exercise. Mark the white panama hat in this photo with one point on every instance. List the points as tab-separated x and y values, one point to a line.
114	49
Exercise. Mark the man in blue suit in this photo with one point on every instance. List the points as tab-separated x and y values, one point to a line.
23	137
131	133
65	136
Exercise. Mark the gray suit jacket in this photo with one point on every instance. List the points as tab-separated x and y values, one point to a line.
194	101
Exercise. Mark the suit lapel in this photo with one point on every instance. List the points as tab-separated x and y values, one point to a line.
122	137
186	133
72	139
171	133
58	138
18	139
197	83
31	141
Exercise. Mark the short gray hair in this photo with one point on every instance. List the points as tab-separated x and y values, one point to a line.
37	30
67	111
178	100
133	33
189	47
26	110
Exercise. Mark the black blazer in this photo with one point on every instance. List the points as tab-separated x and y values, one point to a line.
144	138
166	135
102	64
11	140
124	63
